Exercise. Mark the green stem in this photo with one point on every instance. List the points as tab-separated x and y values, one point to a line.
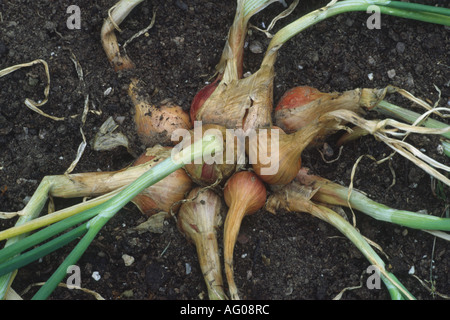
391	110
54	217
31	211
38	252
47	233
426	14
208	145
419	7
335	194
395	288
446	148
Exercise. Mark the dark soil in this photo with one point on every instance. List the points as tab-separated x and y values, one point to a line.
286	256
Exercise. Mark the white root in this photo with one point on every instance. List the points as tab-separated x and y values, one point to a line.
379	130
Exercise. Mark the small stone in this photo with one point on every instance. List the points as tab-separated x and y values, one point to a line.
188	268
26	200
400	47
265	260
410	80
180	4
107	92
418	69
391	73
50	25
33	81
412	270
120	119
371	61
178	40
62	129
96	275
370	76
128	260
256	47
127	294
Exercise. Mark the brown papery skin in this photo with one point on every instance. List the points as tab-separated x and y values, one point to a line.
244	194
290	148
199	220
241	103
155	124
206	174
201	97
165	193
300	106
298	96
110	45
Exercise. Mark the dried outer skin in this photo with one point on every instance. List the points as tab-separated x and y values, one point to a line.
206	174
289	149
245	103
244	194
108	38
156	198
164	194
156	124
199	221
291	118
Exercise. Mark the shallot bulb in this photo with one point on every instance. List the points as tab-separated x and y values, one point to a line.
282	152
199	220
201	97
159	197
156	124
163	195
213	170
244	194
302	105
240	103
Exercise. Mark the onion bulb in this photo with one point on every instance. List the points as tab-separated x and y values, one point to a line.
232	101
164	194
208	172
276	156
155	124
201	97
199	221
300	106
158	197
241	103
244	194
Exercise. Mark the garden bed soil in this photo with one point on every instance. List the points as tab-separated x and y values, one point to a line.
287	256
